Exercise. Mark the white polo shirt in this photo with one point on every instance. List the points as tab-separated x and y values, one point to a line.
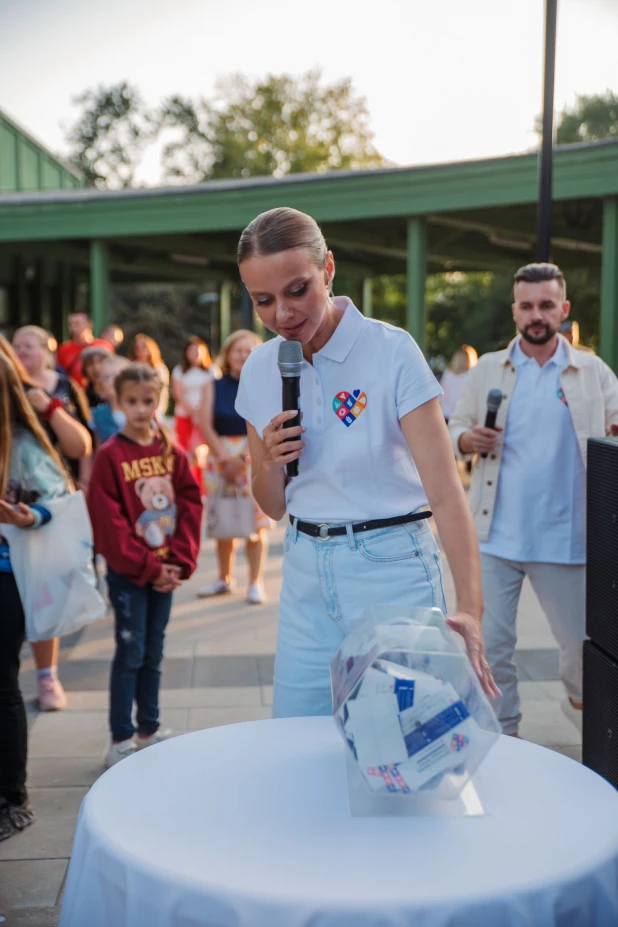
356	465
540	511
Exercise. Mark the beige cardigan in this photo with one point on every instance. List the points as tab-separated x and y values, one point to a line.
590	388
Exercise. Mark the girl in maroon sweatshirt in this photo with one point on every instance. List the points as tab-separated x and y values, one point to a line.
146	515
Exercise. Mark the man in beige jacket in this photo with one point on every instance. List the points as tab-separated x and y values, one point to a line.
528	494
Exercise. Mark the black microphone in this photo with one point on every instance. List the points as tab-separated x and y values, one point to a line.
290	363
494	400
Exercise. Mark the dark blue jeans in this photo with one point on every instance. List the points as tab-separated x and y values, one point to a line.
141	615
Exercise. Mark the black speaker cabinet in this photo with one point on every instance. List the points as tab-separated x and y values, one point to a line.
600	721
602	545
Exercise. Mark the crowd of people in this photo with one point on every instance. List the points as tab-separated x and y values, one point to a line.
84	416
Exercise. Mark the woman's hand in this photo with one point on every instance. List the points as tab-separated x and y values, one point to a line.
282	445
39	400
19	515
232	470
470	629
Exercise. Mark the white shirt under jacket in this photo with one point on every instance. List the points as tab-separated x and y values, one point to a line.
540	513
356	465
589	396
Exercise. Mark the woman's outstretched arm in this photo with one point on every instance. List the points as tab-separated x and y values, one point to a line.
427	437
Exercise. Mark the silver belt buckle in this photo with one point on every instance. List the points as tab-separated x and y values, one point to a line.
323	533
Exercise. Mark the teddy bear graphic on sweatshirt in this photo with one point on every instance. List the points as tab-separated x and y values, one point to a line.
157	522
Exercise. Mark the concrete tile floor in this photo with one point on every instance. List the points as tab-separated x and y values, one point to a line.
217	670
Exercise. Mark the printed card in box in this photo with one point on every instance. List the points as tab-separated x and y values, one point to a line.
408	704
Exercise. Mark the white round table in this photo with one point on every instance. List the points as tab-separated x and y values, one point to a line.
249	826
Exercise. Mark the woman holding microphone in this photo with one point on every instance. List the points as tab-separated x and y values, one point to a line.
373	451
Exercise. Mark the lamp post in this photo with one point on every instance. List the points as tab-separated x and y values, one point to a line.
543	237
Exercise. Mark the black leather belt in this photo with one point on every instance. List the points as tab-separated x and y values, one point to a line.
324	532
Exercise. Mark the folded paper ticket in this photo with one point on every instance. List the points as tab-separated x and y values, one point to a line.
375	729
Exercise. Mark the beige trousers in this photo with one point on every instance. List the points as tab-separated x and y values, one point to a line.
561	591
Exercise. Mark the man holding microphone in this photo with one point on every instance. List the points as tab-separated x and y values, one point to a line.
528	493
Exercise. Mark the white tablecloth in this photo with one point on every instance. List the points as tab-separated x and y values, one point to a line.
249	826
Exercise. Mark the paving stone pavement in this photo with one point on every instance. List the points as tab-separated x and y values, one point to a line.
218	668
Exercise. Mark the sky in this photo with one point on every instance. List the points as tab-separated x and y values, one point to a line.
445	80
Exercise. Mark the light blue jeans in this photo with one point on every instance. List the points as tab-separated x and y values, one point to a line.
326	587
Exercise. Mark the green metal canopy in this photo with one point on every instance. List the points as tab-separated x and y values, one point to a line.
25	164
476	215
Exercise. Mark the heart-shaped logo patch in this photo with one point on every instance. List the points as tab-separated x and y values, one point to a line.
348	407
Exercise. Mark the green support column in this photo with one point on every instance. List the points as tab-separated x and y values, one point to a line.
22	311
99	285
368	297
247	314
42	308
225	310
66	299
416	276
609	284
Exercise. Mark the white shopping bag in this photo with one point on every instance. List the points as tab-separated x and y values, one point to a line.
53	570
230	517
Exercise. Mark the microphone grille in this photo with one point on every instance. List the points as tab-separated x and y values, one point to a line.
494	399
290	358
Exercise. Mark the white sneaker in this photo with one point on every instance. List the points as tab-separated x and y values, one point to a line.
156	738
256	594
119	752
217	588
52	696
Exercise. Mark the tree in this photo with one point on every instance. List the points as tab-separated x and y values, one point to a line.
475	308
108	138
168	313
462	308
468	308
591	119
269	127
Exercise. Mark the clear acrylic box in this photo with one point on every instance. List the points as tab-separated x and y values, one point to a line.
412	714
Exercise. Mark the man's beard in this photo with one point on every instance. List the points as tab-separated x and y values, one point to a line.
546	335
